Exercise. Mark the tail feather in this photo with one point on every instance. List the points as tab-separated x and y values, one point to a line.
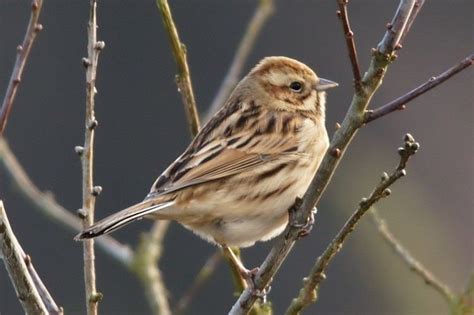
122	218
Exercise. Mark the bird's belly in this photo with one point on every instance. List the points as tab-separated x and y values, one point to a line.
255	213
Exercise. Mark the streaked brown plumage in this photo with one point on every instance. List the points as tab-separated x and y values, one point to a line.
235	182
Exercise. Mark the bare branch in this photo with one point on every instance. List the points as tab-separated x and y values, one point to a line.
145	266
183	78
201	278
399	103
411	19
51	209
349	35
353	120
263	11
89	192
16	264
398	28
23	51
411	261
309	292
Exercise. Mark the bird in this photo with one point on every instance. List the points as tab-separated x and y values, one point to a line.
237	179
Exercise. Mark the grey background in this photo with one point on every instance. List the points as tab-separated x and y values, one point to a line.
142	129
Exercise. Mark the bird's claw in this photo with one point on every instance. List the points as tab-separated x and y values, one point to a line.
249	277
306	227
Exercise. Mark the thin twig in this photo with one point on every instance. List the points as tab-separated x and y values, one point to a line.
398	28
414	13
183	78
201	278
16	264
353	120
411	261
263	11
89	192
399	103
351	47
309	292
145	266
45	203
23	51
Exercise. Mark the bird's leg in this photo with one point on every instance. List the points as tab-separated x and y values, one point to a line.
246	274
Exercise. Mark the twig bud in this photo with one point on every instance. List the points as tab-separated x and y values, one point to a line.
362	202
19	49
338	13
389	26
100	45
337	126
79	150
96	297
81	213
27	260
336	152
403	172
386	192
85	62
384	176
38	28
96	190
408	138
398	46
92	124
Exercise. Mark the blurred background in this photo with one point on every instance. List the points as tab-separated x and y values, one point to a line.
142	128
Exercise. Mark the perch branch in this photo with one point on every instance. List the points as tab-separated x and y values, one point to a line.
89	192
22	52
414	13
202	276
145	266
311	284
183	78
411	261
351	47
263	11
353	120
399	103
45	203
16	263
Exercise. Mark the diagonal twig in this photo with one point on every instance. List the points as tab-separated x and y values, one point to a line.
31	292
353	121
351	47
23	51
89	191
210	265
44	203
399	103
183	78
411	261
263	11
311	284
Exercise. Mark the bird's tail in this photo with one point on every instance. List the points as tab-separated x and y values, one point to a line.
122	218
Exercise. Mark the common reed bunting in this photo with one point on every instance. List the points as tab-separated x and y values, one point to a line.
237	179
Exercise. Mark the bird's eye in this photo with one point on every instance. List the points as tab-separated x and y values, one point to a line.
296	86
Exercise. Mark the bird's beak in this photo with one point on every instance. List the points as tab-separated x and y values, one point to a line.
325	84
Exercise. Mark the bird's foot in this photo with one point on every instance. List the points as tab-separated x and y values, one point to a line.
249	277
306	227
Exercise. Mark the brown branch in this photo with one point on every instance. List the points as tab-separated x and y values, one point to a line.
353	120
44	203
201	278
145	266
311	284
399	103
89	192
183	78
263	11
351	47
411	261
18	266
398	28
23	51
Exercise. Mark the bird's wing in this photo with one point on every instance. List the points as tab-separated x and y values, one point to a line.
226	155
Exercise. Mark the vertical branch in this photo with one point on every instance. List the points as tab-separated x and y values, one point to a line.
23	51
89	192
183	78
262	13
349	35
